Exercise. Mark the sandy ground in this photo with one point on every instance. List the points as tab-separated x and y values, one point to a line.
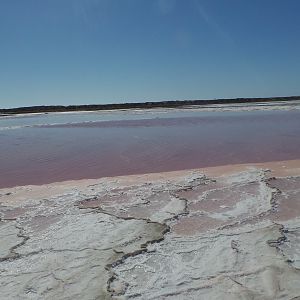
229	232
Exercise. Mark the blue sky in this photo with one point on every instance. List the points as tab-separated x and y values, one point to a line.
105	51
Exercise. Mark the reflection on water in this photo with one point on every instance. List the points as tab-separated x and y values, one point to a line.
128	143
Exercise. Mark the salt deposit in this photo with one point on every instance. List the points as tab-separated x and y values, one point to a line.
184	235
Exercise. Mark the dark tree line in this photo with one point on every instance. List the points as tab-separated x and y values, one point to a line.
141	105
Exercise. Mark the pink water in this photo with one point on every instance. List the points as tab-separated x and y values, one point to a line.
142	144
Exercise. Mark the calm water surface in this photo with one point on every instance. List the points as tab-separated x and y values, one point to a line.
55	147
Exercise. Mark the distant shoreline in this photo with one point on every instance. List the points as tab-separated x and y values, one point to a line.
139	105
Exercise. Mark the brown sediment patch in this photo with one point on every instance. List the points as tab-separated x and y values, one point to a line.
12	213
225	198
90	203
40	223
104	200
192	225
287	198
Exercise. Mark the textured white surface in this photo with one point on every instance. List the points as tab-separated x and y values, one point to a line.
152	237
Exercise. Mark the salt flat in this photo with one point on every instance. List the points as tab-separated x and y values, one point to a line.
228	232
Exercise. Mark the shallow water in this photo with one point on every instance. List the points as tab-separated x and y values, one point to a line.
54	147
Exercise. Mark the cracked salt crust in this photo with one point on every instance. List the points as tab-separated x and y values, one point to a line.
217	233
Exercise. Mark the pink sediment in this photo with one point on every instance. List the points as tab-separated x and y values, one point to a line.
212	197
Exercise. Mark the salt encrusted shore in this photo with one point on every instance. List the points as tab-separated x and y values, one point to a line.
229	232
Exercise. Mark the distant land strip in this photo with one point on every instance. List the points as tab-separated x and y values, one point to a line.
139	105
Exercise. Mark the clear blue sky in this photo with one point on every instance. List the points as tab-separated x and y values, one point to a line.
103	51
